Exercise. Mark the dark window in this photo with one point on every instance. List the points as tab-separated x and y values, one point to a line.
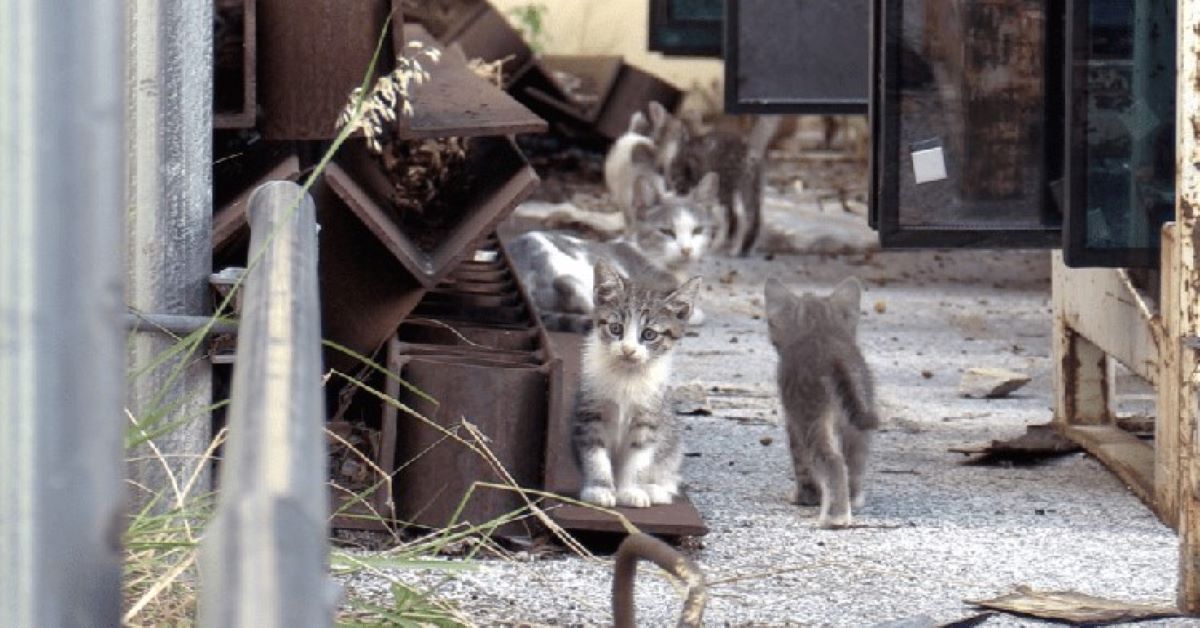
1120	130
966	99
796	56
686	27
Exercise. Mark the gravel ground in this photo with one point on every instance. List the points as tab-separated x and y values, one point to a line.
934	531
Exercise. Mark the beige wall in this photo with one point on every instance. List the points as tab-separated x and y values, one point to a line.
617	27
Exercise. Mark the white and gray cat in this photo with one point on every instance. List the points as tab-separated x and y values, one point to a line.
685	159
827	395
623	436
672	234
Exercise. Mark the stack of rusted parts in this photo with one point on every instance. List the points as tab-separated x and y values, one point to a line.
424	289
583	96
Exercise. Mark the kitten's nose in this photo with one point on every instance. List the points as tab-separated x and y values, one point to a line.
628	350
687	251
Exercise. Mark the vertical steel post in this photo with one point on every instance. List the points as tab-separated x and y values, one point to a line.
61	331
169	224
264	559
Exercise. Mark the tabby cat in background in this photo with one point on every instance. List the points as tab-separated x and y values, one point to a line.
827	395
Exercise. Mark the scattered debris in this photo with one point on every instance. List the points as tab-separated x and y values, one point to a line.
925	621
728	277
979	383
1037	443
927	374
880	307
690	399
1137	425
766	441
1073	607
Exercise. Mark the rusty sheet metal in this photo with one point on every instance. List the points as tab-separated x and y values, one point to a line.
499	179
609	91
497	373
455	102
365	291
311	54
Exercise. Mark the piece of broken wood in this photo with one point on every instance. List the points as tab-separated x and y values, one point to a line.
1073	607
1038	442
979	383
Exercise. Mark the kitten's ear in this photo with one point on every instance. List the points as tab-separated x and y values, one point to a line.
847	296
645	193
706	191
681	302
607	284
658	115
639	124
776	296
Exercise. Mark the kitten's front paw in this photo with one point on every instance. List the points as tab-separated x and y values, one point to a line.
658	494
599	495
633	496
834	521
858	500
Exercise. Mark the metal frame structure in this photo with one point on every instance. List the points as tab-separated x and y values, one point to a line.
1100	318
662	20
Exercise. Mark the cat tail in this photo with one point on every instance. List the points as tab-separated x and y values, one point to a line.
856	398
566	321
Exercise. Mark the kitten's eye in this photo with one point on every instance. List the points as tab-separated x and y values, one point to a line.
649	335
616	329
697	230
667	232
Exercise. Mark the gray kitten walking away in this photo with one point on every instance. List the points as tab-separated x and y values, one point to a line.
624	438
827	394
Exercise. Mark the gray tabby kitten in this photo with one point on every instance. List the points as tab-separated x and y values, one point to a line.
623	436
827	394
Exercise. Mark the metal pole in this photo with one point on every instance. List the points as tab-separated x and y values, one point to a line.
169	224
264	559
61	333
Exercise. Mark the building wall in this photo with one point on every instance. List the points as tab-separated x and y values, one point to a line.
615	27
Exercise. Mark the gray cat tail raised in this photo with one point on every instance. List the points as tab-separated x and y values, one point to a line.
640	546
855	398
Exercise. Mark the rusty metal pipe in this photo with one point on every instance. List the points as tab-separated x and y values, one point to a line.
177	324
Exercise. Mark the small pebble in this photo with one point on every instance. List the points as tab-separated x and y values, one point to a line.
927	374
880	307
766	440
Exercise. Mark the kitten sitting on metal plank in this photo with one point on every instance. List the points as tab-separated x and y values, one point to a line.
827	395
623	435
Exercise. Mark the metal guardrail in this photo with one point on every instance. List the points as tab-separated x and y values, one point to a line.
61	334
264	560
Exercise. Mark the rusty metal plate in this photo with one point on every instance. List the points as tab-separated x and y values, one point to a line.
311	54
455	102
498	178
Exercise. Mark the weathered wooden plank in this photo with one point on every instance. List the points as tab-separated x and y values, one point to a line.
1166	420
1131	459
1101	305
1083	374
1187	151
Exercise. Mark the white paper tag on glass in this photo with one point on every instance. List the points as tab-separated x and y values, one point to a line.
482	255
929	164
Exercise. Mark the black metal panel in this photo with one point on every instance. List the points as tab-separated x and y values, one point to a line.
689	28
967	96
1120	131
797	56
